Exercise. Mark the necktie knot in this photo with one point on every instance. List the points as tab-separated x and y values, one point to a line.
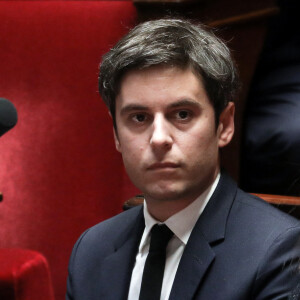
160	236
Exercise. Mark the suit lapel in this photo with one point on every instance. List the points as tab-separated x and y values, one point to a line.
199	254
116	268
194	263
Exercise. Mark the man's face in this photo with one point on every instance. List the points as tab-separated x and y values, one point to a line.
166	133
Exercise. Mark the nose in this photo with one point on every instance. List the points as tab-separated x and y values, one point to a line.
161	137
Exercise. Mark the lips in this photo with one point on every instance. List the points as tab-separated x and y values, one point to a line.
163	166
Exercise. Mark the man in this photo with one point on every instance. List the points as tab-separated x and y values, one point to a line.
169	86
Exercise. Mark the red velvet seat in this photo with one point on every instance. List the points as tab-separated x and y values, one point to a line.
24	275
60	173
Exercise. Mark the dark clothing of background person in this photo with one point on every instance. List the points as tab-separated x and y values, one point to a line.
271	146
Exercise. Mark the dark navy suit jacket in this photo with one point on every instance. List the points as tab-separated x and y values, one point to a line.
240	248
270	161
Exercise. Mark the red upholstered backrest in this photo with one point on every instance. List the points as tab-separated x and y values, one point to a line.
59	171
24	275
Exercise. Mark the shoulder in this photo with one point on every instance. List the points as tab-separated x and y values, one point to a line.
110	229
95	245
272	235
265	244
276	237
244	215
261	213
101	239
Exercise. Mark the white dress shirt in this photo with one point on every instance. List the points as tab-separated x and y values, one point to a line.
182	224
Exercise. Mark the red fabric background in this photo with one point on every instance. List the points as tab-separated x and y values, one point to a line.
59	171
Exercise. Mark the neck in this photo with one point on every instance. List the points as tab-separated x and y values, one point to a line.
163	210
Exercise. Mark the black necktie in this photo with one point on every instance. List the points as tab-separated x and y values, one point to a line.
155	263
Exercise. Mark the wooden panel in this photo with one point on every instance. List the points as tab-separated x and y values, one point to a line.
279	199
246	17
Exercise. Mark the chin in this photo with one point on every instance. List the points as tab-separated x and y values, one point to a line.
165	193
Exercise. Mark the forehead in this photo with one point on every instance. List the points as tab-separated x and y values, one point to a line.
160	85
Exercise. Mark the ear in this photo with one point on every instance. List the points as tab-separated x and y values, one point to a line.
117	142
226	125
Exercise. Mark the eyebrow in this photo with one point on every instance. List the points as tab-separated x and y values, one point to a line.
180	103
132	107
185	102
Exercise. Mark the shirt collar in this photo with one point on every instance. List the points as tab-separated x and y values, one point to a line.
183	222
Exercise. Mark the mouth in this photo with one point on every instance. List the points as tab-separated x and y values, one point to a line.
163	166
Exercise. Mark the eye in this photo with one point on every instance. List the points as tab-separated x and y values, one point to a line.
139	118
183	115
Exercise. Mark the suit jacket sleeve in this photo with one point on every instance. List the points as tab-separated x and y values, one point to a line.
69	293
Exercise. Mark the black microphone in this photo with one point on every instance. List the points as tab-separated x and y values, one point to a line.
8	116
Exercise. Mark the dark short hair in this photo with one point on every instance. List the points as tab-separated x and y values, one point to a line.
171	42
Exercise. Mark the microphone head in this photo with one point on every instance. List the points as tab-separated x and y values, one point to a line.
8	116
